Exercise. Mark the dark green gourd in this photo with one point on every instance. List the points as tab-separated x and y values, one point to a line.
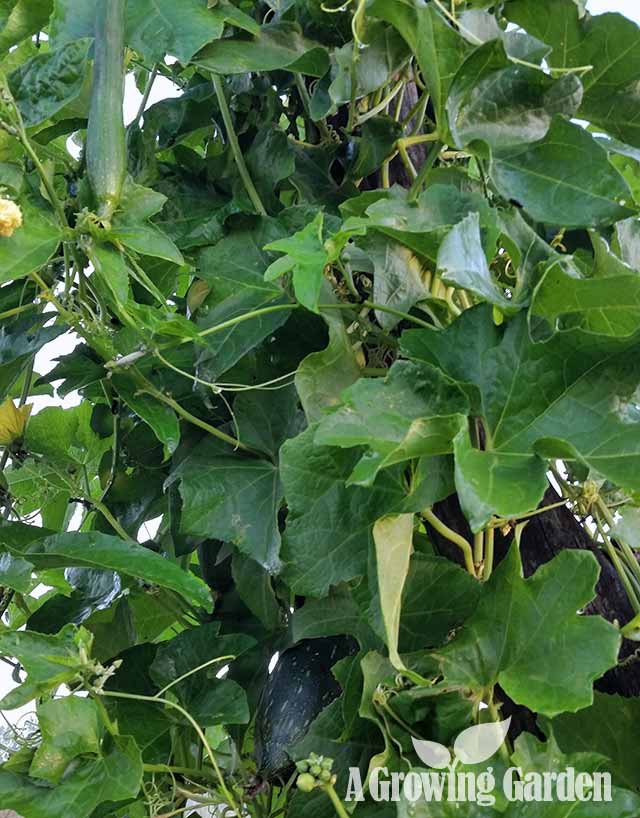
299	688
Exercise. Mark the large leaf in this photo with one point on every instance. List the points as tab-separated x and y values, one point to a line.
603	305
565	178
608	43
231	498
462	263
19	340
114	776
70	727
32	245
266	419
322	376
566	398
398	277
504	103
414	411
420	225
96	550
438	596
520	623
275	46
234	268
329	527
159	27
49	661
535	756
49	81
603	728
64	437
160	417
438	48
20	19
209	700
504	483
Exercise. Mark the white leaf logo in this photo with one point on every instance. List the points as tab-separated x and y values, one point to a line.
431	753
480	742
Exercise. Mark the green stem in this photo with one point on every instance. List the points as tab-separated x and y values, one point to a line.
230	800
192	671
478	548
105	715
500	523
381	307
196	421
189	772
488	554
306	102
495	717
101	507
428	164
381	105
46	182
147	92
17	311
335	800
452	536
129	360
620	569
235	147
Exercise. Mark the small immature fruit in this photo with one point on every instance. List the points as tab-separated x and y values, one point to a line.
306	782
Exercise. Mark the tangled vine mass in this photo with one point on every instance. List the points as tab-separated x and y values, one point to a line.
339	453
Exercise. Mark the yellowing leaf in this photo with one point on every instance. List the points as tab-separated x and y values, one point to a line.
393	537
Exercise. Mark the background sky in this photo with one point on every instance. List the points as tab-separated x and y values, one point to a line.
162	89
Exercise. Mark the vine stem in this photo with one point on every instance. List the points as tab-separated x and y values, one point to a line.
147	92
627	551
235	147
382	104
133	357
478	547
221	782
100	506
335	800
168	768
196	421
192	671
488	554
620	570
17	311
500	523
452	536
306	102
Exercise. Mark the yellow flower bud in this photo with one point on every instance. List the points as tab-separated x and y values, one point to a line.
10	217
13	420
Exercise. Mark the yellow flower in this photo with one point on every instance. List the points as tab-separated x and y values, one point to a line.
13	420
10	217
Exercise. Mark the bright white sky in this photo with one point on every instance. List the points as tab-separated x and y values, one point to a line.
162	89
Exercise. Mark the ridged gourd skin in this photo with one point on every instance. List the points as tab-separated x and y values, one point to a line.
298	689
106	151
